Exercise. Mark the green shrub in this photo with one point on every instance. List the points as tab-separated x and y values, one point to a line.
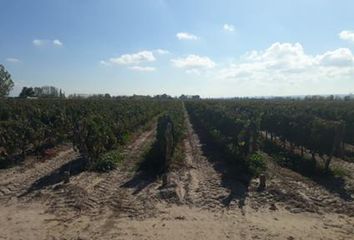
108	161
339	172
256	164
93	136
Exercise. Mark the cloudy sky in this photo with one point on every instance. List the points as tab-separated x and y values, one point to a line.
218	48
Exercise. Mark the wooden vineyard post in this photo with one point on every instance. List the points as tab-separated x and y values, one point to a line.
169	145
262	182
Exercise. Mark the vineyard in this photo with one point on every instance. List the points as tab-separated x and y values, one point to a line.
92	127
116	161
323	128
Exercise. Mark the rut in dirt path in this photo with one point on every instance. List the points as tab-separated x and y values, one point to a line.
15	184
302	192
98	193
299	194
212	184
207	182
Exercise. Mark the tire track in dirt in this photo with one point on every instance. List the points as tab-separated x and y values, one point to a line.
299	194
202	182
311	194
16	183
97	193
212	189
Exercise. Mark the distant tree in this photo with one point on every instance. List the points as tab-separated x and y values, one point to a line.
163	96
61	94
348	98
195	97
183	96
107	95
27	92
6	83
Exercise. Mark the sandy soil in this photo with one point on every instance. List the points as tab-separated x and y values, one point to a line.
175	222
203	201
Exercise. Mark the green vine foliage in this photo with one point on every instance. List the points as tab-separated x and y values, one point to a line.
93	126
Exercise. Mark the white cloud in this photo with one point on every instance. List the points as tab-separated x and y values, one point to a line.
194	71
285	68
229	28
193	62
288	56
38	42
105	63
162	51
347	35
57	42
13	60
46	42
281	55
186	36
340	57
142	69
134	58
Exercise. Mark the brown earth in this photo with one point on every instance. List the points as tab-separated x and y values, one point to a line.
202	200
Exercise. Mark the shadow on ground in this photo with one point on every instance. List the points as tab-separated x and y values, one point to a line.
9	162
307	168
234	175
149	169
74	167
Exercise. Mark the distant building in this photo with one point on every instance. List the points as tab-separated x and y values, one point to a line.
163	96
189	97
79	95
48	91
349	97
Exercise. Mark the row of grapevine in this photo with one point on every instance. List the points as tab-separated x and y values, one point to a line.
319	136
235	133
321	132
331	110
170	133
93	126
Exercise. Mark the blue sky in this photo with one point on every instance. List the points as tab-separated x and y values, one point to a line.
212	48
